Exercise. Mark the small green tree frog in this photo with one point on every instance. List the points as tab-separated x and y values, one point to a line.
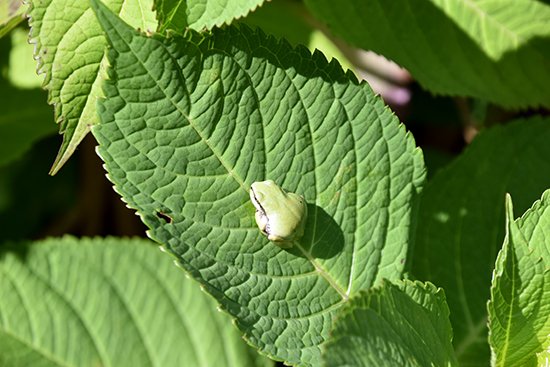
281	216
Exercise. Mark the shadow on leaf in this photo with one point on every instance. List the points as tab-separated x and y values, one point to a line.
323	237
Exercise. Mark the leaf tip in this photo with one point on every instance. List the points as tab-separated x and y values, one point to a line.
509	209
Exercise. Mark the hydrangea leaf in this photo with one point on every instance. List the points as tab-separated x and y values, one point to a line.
69	48
519	326
108	302
11	14
178	15
189	122
460	226
495	50
404	324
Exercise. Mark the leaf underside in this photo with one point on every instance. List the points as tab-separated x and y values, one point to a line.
495	50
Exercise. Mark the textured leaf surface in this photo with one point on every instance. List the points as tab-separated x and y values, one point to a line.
496	50
189	123
201	14
69	45
519	309
68	302
460	226
402	325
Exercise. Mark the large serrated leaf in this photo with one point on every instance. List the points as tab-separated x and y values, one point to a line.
406	324
496	50
519	309
69	47
112	302
178	15
460	226
190	122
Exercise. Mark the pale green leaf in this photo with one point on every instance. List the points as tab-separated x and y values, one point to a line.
519	309
22	68
543	358
496	50
499	26
179	15
11	14
93	302
189	123
69	45
460	226
402	325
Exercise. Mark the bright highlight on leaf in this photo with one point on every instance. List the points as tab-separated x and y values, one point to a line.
189	123
406	325
109	302
519	309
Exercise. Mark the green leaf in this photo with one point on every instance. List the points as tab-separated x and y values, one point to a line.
393	325
179	15
94	302
495	50
25	116
11	14
298	28
69	45
272	14
460	226
519	309
22	68
21	127
543	358
189	123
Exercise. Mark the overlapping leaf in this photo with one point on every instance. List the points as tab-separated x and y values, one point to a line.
178	15
460	226
519	323
496	50
112	302
70	49
188	123
406	324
